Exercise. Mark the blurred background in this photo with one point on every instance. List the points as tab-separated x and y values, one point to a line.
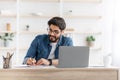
22	20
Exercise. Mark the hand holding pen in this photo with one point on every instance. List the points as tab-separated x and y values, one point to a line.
31	61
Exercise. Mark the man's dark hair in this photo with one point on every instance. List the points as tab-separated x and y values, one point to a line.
58	21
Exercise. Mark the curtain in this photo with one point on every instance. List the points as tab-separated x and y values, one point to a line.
116	34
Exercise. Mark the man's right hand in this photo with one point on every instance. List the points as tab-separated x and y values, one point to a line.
31	61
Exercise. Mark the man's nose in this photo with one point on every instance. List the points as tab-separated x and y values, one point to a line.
52	33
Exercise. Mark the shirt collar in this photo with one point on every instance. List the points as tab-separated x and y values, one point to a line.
60	40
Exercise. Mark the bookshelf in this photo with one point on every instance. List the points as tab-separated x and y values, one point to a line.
29	13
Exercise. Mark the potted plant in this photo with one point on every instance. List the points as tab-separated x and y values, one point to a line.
90	40
27	27
6	37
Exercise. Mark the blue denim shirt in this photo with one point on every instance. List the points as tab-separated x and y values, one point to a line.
40	47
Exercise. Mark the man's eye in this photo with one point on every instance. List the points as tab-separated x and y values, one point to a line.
56	32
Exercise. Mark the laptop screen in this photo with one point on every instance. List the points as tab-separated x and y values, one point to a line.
73	56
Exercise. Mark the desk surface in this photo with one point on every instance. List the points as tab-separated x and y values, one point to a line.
60	74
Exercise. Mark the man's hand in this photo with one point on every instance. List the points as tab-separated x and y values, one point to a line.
31	61
43	61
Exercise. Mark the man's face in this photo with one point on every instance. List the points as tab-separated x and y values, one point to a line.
54	33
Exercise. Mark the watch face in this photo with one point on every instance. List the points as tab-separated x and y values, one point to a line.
50	60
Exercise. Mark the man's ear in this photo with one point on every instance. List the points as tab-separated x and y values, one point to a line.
63	32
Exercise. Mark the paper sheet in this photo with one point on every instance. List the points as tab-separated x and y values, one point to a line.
29	66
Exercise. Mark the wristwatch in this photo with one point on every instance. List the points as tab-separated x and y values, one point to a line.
50	60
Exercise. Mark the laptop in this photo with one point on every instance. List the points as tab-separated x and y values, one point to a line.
73	57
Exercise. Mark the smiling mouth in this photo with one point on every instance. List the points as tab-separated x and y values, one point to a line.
52	38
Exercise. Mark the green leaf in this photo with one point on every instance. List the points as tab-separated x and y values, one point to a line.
90	38
7	36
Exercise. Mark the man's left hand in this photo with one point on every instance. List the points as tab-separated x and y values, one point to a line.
43	61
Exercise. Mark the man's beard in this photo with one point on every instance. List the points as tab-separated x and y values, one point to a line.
53	38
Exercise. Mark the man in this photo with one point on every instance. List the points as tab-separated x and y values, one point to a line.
44	48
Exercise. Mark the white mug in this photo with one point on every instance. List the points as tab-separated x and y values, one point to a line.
107	61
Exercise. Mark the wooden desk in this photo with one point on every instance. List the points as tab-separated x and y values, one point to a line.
60	74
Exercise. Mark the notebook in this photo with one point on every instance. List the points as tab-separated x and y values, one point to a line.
73	57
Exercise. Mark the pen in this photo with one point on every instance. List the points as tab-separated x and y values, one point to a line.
33	60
